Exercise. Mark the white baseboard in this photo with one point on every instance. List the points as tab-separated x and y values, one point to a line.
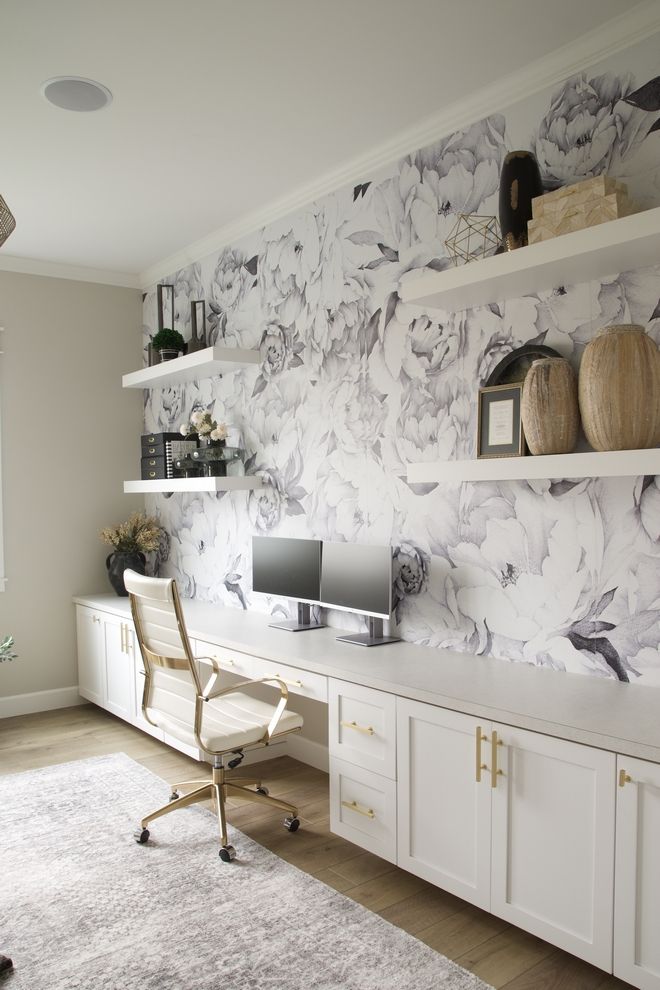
40	701
312	753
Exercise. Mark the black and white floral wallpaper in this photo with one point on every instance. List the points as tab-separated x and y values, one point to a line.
354	385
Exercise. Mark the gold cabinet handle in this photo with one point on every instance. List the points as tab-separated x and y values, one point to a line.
95	618
297	684
624	778
367	729
123	637
354	806
495	773
129	645
479	765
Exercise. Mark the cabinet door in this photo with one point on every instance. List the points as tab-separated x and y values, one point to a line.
637	878
119	673
443	809
91	660
553	841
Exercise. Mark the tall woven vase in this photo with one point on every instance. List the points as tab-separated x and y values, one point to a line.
619	389
549	407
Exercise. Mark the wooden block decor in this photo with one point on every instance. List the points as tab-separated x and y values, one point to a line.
600	185
573	211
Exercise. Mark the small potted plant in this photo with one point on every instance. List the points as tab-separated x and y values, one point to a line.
169	343
140	534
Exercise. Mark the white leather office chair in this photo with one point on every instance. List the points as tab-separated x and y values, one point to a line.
220	721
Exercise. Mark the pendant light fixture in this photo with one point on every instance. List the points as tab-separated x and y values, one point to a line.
7	222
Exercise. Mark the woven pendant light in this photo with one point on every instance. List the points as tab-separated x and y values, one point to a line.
7	222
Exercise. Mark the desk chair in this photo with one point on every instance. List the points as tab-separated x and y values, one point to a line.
220	721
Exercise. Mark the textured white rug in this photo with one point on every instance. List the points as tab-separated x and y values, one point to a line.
83	907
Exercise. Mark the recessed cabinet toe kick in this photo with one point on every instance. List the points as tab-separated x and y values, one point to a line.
558	837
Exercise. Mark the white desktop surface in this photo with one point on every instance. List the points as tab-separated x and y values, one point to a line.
600	712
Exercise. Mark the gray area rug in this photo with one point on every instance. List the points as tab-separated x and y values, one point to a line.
83	907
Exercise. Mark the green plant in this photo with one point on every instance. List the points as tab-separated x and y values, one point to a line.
139	533
6	651
168	339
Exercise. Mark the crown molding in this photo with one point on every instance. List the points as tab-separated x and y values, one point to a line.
607	39
53	269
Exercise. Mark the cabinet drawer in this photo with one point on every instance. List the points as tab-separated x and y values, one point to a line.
363	808
362	727
232	661
301	682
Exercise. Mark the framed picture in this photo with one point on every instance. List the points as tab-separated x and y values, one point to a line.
499	429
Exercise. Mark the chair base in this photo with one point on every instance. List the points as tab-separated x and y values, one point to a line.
216	790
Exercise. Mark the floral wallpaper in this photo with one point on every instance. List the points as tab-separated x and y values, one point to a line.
354	385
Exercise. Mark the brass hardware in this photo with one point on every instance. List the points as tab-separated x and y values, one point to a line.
152	474
354	806
123	631
129	645
624	778
495	773
479	765
152	450
297	684
152	462
367	729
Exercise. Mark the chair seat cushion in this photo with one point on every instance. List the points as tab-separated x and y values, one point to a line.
229	722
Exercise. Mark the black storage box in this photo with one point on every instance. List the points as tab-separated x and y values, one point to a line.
154	443
153	467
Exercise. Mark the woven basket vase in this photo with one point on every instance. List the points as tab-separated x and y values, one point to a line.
549	407
619	389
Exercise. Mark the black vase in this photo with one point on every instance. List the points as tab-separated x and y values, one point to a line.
520	183
118	562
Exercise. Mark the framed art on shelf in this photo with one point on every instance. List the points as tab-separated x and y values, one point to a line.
499	424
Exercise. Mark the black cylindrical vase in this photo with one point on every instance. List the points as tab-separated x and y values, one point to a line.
118	562
520	183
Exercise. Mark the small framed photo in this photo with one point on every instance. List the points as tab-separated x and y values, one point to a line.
499	429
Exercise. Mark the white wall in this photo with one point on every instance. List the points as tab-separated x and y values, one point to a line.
70	435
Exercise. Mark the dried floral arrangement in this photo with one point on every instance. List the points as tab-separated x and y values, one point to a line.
203	424
139	532
6	649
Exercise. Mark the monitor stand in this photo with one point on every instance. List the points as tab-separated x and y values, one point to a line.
373	638
302	624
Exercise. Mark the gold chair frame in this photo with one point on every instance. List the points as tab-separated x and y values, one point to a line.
221	781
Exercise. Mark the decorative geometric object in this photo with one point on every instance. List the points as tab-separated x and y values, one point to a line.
576	207
520	183
619	389
7	221
472	237
549	409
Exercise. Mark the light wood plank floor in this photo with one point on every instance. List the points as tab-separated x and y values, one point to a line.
500	954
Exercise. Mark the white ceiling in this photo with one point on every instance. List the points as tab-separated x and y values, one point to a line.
223	106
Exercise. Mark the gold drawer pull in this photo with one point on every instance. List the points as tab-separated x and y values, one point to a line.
367	729
480	766
495	773
297	684
354	806
624	778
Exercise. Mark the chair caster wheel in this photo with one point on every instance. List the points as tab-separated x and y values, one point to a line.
175	795
293	824
141	835
227	854
263	790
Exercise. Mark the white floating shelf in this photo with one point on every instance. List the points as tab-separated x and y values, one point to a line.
592	464
192	367
607	249
233	484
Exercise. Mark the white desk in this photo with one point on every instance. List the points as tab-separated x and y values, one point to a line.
501	783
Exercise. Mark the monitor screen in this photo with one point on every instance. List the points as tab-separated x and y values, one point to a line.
357	578
286	567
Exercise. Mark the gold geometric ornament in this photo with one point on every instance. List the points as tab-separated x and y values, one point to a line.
472	237
7	222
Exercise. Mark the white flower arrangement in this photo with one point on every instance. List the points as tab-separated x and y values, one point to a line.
6	649
203	424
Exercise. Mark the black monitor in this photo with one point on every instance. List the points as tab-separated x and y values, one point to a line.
358	578
288	568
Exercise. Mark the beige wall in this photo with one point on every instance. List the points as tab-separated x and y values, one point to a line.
70	436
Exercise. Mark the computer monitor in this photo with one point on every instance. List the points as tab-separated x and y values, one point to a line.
358	578
289	568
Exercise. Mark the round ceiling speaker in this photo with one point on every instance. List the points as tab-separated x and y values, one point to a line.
76	93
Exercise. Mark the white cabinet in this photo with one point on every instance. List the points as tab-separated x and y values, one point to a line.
91	677
553	811
519	823
443	808
637	876
362	727
363	808
119	667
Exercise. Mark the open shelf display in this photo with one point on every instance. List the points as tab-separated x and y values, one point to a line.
607	249
192	367
591	464
232	484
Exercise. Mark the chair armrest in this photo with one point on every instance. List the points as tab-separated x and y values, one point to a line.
281	705
210	684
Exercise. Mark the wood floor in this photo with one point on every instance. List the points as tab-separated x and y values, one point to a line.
498	953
